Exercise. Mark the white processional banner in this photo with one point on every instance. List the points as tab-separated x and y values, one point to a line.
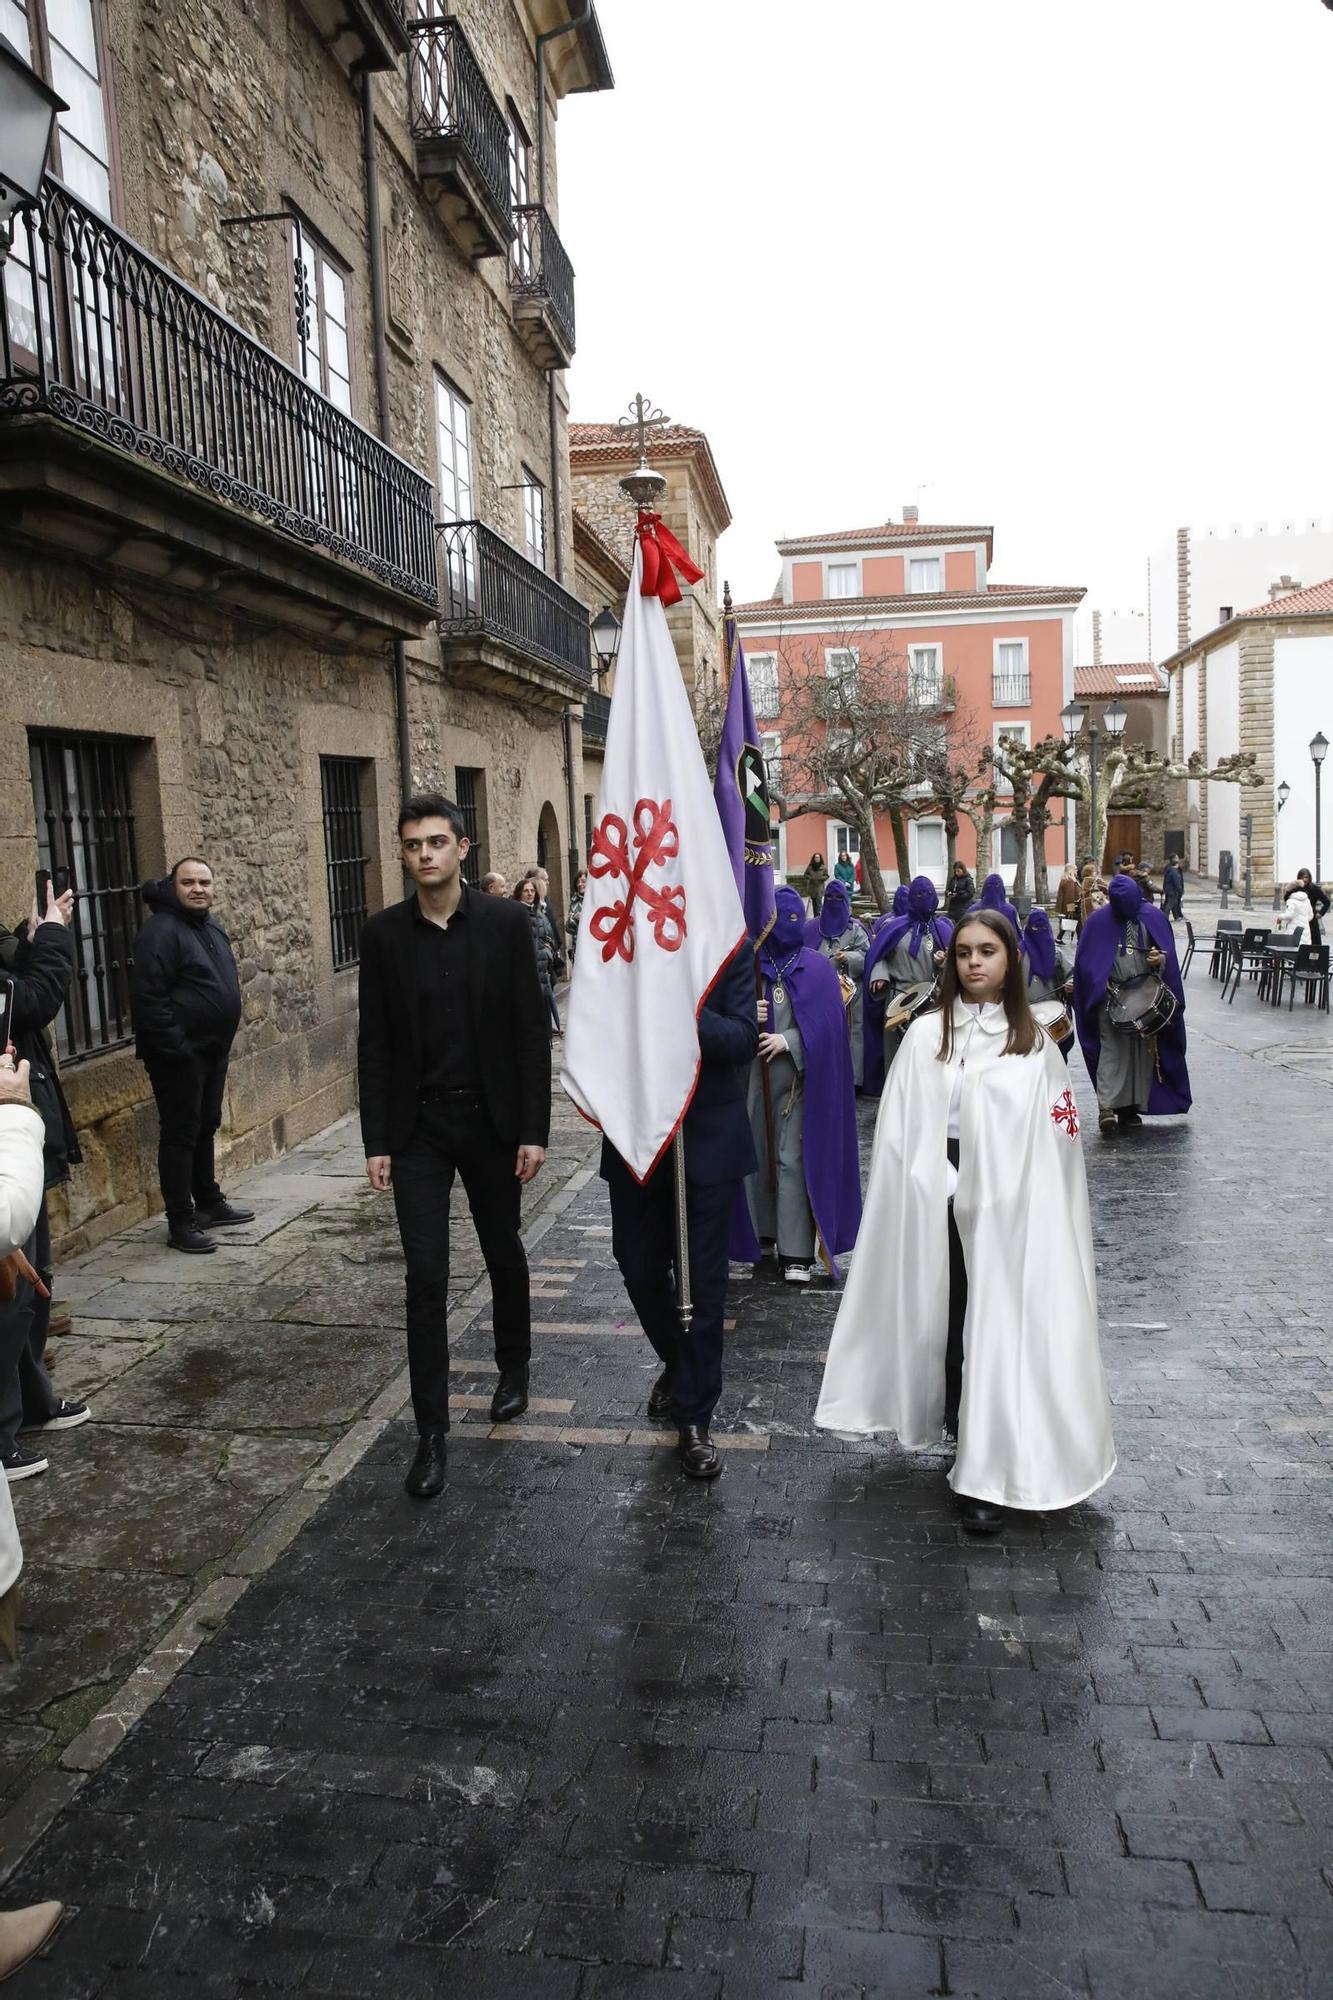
661	916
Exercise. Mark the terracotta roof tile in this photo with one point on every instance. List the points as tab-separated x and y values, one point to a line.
831	609
884	536
1142	677
1314	601
592	445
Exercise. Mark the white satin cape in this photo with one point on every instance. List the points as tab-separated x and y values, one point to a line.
1034	1426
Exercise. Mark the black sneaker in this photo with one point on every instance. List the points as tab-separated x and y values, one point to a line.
222	1215
21	1464
186	1237
66	1416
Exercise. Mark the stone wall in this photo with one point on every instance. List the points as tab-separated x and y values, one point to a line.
694	622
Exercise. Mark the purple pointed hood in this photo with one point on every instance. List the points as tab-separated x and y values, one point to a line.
1038	945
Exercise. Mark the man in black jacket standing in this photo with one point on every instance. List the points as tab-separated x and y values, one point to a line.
719	1153
454	1062
41	964
186	998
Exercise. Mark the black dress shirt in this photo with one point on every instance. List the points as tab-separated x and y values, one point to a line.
448	1046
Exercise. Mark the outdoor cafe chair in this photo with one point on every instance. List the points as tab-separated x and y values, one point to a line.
1226	940
1250	956
1307	967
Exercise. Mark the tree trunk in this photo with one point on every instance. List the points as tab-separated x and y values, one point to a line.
1019	822
1041	888
898	828
872	878
949	815
985	837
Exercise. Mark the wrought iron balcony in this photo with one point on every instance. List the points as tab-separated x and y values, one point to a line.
1011	690
361	34
489	592
460	136
934	694
97	334
541	281
596	715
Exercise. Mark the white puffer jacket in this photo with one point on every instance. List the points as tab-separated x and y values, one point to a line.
21	1136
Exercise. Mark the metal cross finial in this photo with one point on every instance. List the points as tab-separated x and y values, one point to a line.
642	419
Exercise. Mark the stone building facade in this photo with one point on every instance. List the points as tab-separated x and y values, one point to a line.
1152	832
285	501
601	579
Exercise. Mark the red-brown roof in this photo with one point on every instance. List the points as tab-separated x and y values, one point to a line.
884	536
831	610
1315	602
607	444
1141	677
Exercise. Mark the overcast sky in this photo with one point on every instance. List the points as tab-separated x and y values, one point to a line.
1064	266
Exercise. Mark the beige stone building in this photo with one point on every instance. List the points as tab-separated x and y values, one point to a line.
1150	833
601	579
284	502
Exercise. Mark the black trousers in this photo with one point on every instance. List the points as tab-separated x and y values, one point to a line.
455	1136
1171	908
189	1095
953	1353
26	1391
643	1237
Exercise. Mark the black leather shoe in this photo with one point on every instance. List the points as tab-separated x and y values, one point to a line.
223	1215
659	1400
697	1453
1129	1118
982	1517
426	1476
193	1240
511	1395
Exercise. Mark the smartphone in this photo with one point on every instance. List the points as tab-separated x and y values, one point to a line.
6	1011
58	880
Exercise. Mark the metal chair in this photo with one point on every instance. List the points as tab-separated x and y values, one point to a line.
1308	968
1225	941
1250	956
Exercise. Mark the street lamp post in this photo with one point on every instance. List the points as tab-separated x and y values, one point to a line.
1282	794
1318	752
1114	718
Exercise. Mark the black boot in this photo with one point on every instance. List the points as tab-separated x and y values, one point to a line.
697	1453
184	1236
222	1215
426	1475
511	1395
982	1517
659	1399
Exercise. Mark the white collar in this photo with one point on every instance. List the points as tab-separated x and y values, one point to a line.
988	1015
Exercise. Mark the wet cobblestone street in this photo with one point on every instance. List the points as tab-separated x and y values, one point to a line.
581	1729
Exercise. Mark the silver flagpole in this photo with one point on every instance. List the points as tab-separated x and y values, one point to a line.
684	1303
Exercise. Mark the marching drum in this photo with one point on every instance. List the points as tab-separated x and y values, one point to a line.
907	1002
1146	1004
1054	1018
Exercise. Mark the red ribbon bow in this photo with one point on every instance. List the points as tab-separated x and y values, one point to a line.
662	557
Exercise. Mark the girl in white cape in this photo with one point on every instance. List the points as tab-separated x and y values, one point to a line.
971	1306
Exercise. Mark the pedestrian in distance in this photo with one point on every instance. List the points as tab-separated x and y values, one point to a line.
1067	893
543	944
185	996
961	893
1173	889
454	1066
804	1198
1091	893
844	868
494	884
971	1305
1306	885
814	882
1123	946
542	880
575	917
719	1153
38	959
841	938
1297	919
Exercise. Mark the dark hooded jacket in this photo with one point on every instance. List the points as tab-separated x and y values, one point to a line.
41	967
185	990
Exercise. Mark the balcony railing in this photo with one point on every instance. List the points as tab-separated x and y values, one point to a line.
1011	690
596	715
539	269
95	331
452	104
932	693
488	589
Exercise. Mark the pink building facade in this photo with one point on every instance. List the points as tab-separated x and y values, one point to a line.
1002	656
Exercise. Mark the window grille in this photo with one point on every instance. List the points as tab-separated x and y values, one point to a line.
344	855
467	785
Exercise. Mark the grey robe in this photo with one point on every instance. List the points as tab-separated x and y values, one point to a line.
904	970
784	1217
1124	1067
856	944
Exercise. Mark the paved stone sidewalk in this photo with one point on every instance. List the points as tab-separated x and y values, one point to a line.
580	1729
229	1392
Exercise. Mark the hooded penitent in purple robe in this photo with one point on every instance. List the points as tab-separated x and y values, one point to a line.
829	1150
1098	945
993	897
920	924
1038	946
835	915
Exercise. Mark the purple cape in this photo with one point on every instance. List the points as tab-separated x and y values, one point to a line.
928	930
1038	946
835	915
1097	947
828	1140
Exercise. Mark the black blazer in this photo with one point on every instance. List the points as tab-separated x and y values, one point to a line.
509	1020
719	1145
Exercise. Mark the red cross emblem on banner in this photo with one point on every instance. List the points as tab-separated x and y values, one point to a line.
1065	1113
656	840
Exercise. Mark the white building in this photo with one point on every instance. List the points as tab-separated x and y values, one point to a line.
1199	577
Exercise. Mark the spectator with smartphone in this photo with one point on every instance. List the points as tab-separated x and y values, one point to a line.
185	994
39	960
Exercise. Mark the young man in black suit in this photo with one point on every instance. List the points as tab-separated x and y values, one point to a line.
719	1153
454	1060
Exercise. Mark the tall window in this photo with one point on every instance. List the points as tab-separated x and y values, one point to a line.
1010	676
925	680
924	573
842	579
453	434
59	38
771	746
763	671
344	855
520	189
320	302
534	518
85	822
468	785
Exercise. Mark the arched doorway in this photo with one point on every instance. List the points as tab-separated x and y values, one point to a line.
549	858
